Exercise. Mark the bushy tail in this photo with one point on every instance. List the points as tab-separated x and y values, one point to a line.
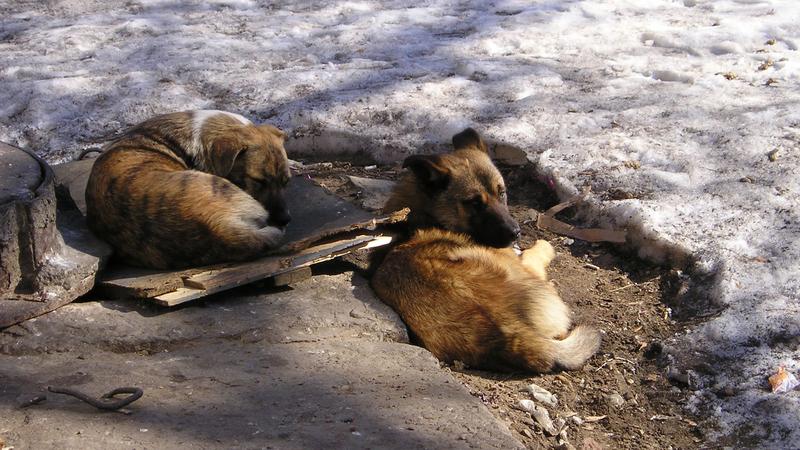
573	351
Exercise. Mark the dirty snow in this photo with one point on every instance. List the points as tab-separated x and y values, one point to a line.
666	109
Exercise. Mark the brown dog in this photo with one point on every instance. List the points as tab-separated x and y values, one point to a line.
190	188
463	295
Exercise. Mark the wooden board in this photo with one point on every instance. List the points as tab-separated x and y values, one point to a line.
227	277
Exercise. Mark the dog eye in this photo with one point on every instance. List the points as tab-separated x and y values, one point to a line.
475	203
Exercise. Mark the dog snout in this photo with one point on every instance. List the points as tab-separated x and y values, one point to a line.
280	218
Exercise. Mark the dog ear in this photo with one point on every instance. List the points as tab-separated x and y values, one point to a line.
469	138
429	170
224	152
273	130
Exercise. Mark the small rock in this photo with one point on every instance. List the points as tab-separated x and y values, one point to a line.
542	395
542	417
568	241
577	420
773	155
527	405
615	400
527	433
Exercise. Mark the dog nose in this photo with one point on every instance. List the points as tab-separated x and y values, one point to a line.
281	218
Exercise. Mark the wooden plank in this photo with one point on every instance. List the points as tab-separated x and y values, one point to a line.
221	279
129	282
295	276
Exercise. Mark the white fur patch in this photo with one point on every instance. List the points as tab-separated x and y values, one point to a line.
199	119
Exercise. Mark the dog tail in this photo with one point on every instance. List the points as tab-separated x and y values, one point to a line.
573	351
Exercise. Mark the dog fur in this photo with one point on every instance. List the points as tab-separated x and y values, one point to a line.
190	188
462	292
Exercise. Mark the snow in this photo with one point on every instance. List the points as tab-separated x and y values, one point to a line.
676	102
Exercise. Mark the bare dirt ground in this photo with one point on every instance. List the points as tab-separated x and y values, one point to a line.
622	398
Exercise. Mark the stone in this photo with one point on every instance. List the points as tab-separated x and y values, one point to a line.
614	400
542	395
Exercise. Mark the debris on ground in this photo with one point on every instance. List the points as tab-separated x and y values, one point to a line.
783	381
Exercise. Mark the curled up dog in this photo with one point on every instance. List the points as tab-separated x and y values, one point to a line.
462	292
190	188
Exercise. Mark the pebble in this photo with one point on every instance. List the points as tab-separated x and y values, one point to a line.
577	420
542	417
542	395
615	400
527	405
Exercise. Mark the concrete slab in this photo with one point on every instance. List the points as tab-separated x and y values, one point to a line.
20	174
322	364
48	257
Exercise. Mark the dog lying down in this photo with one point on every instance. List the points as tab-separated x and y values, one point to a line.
190	189
462	292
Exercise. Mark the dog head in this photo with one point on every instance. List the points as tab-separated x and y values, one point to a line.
460	191
253	158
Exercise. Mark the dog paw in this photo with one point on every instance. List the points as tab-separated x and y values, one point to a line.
271	235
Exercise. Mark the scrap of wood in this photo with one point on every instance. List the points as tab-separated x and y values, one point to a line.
127	282
291	277
223	278
547	221
370	225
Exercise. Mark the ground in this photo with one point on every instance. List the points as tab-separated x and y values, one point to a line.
625	297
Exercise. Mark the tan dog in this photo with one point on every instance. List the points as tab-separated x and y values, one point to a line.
462	294
190	188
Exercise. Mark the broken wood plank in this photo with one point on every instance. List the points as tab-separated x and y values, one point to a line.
235	275
129	282
221	279
292	277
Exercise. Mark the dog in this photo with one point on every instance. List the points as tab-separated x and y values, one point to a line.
464	294
190	188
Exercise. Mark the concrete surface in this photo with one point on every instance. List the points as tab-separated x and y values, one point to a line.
321	364
48	257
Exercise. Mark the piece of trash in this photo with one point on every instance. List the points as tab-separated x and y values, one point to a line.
542	395
783	381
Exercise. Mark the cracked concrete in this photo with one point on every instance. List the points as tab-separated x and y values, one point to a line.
320	364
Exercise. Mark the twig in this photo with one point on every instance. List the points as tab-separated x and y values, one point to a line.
621	288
